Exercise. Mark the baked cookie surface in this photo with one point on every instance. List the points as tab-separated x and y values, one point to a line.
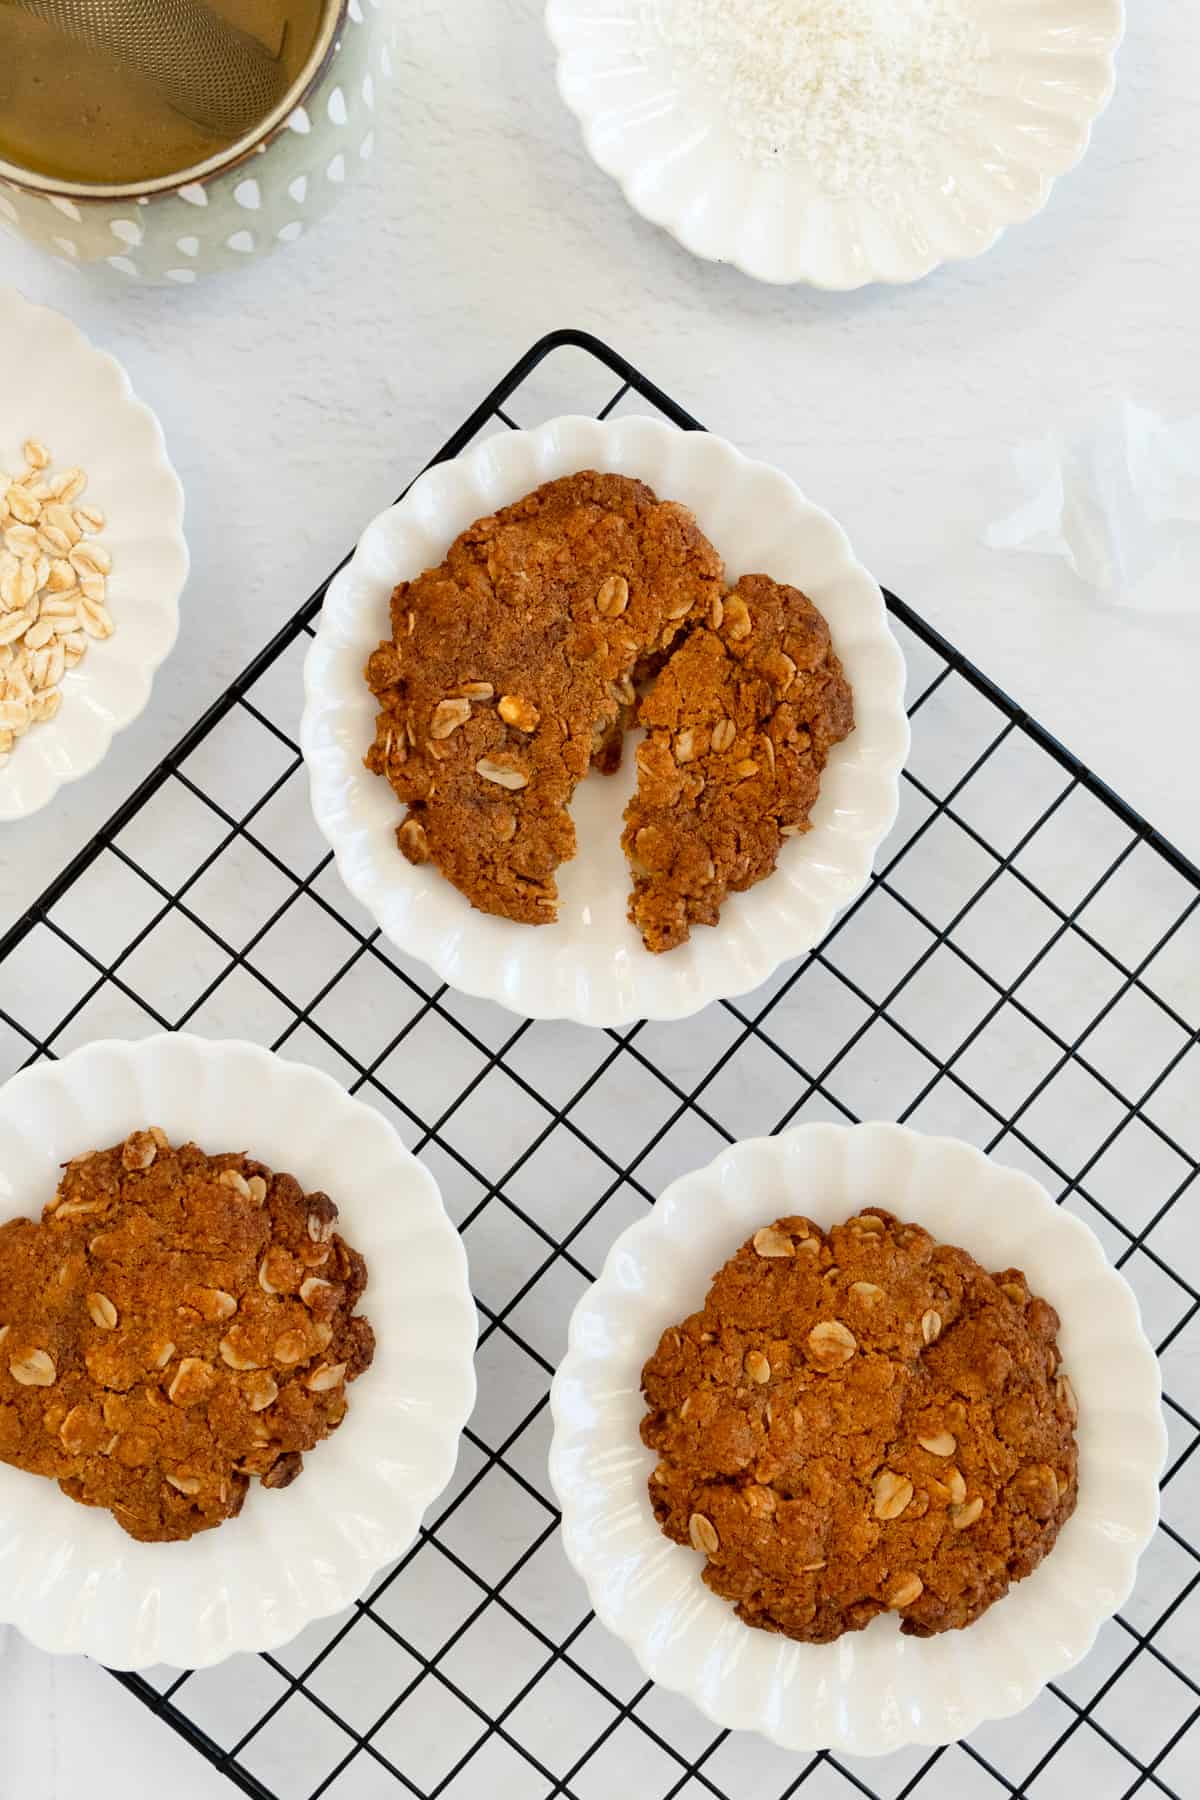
739	725
510	669
175	1324
862	1420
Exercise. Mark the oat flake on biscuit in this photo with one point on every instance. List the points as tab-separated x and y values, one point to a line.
175	1325
511	670
518	662
834	1458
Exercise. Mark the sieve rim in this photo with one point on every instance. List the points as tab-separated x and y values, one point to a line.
251	144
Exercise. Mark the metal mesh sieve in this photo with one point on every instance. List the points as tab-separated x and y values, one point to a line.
212	72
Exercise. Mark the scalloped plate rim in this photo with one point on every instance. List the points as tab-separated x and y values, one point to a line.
372	870
792	271
441	1452
653	1234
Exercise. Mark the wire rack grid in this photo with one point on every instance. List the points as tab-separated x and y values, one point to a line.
1023	971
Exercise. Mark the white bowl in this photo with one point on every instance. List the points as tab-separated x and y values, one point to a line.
591	966
872	1691
70	1578
57	387
666	140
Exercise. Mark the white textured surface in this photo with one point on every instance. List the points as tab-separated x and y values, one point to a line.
69	1727
297	397
877	1691
589	965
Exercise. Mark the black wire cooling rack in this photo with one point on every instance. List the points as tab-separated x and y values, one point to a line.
1024	972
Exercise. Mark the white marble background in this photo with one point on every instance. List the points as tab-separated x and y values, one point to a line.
298	397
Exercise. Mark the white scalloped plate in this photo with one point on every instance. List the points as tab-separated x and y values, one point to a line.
590	966
56	386
70	1578
1050	73
872	1691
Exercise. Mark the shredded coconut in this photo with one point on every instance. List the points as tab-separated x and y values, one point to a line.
860	90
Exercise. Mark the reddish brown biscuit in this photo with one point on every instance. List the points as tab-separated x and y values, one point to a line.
175	1324
860	1421
739	726
510	668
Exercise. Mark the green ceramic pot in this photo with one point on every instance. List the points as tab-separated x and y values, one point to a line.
264	191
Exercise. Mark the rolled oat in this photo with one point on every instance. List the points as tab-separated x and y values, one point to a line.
53	590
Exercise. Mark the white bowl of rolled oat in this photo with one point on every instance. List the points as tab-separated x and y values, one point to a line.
92	554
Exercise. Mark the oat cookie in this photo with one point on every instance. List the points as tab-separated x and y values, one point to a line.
175	1324
510	669
858	1421
739	726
